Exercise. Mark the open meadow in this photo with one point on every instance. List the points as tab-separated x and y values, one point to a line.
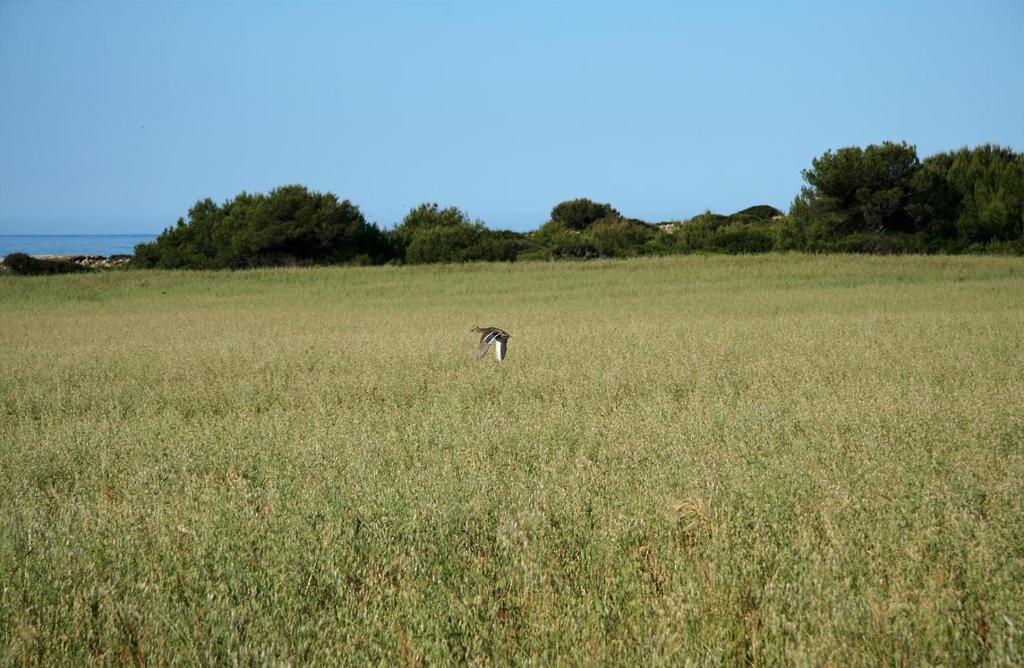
718	460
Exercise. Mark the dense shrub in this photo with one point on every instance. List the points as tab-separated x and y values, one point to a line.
430	234
878	199
610	236
696	234
975	195
578	214
737	238
761	212
26	265
880	244
290	225
503	245
429	216
582	229
949	202
554	241
1015	247
442	244
618	237
715	233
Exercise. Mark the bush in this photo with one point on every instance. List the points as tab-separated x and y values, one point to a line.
663	242
554	241
26	265
737	238
756	213
1015	247
442	244
581	229
579	214
426	217
880	244
503	246
617	237
696	233
613	236
430	234
290	225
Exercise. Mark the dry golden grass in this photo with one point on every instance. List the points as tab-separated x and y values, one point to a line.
775	459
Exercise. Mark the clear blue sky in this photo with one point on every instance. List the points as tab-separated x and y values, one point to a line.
117	117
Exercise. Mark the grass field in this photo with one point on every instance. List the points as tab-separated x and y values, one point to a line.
763	460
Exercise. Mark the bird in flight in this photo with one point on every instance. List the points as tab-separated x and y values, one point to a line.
489	335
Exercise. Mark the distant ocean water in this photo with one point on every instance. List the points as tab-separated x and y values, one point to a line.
72	244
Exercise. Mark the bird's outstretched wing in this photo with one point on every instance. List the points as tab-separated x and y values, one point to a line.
481	350
501	348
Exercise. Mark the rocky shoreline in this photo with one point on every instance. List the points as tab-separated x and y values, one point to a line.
40	265
90	261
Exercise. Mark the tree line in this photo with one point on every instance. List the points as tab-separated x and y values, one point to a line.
292	225
878	199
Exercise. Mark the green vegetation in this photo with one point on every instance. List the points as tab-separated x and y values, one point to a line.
584	229
881	199
290	225
579	214
752	230
782	459
26	265
429	234
965	200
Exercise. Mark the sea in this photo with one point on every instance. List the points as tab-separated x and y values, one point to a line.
72	244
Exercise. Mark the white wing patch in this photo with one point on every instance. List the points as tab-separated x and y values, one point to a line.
500	349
